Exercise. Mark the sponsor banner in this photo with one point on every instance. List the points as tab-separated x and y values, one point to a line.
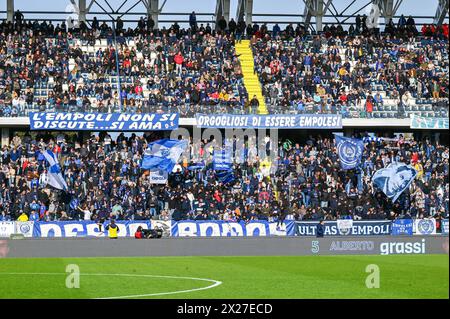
6	229
158	177
24	228
85	228
359	228
344	226
219	228
402	247
444	226
402	227
103	121
343	246
429	123
382	245
312	121
426	226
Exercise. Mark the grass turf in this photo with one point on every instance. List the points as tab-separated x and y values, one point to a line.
401	276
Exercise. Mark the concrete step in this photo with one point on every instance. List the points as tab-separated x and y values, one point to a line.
253	87
251	80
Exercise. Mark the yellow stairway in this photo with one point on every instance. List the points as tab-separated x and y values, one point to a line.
251	80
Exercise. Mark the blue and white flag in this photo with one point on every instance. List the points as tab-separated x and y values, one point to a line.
350	151
74	203
394	179
55	177
163	154
225	177
198	165
222	160
402	227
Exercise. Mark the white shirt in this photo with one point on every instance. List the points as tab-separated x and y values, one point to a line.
87	214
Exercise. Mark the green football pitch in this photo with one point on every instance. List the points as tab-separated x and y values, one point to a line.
401	276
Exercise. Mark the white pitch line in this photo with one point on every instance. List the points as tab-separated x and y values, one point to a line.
215	282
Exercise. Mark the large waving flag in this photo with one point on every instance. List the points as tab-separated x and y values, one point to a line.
394	179
350	151
163	154
55	177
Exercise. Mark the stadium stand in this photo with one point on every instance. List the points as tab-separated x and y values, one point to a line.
392	75
354	76
238	69
105	178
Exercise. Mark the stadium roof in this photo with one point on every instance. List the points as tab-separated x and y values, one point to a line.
314	13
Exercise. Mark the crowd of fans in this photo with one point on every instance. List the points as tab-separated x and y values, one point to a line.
54	68
304	182
353	74
47	68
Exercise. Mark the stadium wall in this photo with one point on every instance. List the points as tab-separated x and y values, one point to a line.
268	246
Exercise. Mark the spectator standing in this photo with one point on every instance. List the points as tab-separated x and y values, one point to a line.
18	18
254	104
240	30
150	24
320	229
369	106
232	26
112	229
193	21
276	30
222	24
178	59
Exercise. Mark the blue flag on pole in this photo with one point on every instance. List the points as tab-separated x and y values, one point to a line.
163	154
350	151
394	179
55	177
